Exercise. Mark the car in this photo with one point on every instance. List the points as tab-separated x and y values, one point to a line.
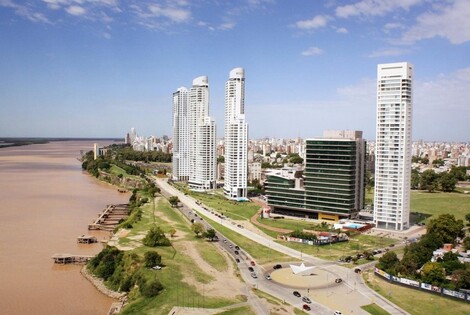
296	293
236	252
240	226
277	266
357	270
268	277
338	280
251	269
156	267
237	248
252	263
225	240
306	307
237	260
306	300
254	275
337	313
230	246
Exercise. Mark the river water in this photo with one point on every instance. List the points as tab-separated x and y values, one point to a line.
46	201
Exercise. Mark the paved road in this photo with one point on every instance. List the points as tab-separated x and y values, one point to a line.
347	297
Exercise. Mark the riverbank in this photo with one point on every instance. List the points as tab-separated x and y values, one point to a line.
99	284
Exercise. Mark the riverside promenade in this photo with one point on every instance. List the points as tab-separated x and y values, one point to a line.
350	296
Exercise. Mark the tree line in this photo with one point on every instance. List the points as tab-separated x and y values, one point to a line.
431	181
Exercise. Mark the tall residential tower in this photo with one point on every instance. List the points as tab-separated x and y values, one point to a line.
393	146
202	138
180	135
236	137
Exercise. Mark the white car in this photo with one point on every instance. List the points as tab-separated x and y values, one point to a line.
156	267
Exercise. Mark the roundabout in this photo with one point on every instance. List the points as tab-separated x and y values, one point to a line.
314	278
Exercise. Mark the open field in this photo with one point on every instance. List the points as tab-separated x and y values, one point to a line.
407	299
191	266
437	203
244	310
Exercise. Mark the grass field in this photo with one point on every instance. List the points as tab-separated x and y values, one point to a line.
177	265
374	309
416	302
436	203
244	310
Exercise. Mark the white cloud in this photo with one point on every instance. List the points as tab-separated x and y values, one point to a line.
342	30
227	26
451	22
175	14
75	10
389	52
315	22
25	11
312	51
374	7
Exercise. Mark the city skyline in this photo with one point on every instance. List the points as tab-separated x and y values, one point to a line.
95	68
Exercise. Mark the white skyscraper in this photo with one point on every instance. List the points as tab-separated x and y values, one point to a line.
181	135
202	138
236	137
393	146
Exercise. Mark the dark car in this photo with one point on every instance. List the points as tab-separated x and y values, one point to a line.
339	280
236	252
296	293
277	266
237	260
251	269
306	307
237	248
357	270
253	263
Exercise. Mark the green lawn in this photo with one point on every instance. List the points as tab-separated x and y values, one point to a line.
244	310
435	204
374	309
416	302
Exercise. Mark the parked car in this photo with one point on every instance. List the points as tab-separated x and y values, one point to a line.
253	263
277	266
357	270
237	260
338	280
230	246
237	248
296	293
306	300
236	252
251	269
156	267
254	275
306	307
268	277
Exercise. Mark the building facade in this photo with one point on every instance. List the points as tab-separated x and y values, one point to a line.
332	185
181	135
236	137
393	146
202	138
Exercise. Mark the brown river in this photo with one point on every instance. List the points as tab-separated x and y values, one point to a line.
46	201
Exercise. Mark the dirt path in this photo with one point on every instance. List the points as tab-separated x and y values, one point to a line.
225	283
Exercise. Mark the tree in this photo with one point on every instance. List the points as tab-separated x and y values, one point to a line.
152	258
172	232
445	228
173	200
461	278
429	180
450	262
198	229
389	263
467	217
447	182
466	243
156	237
415	179
438	162
295	158
459	172
210	234
433	273
150	288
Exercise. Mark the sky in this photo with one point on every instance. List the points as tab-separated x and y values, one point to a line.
96	68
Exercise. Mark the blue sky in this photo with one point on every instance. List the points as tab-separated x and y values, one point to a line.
96	68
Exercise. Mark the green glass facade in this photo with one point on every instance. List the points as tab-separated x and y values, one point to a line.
333	181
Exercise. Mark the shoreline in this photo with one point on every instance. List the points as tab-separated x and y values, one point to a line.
100	286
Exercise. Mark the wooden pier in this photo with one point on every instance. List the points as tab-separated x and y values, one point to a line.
86	239
110	217
71	259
